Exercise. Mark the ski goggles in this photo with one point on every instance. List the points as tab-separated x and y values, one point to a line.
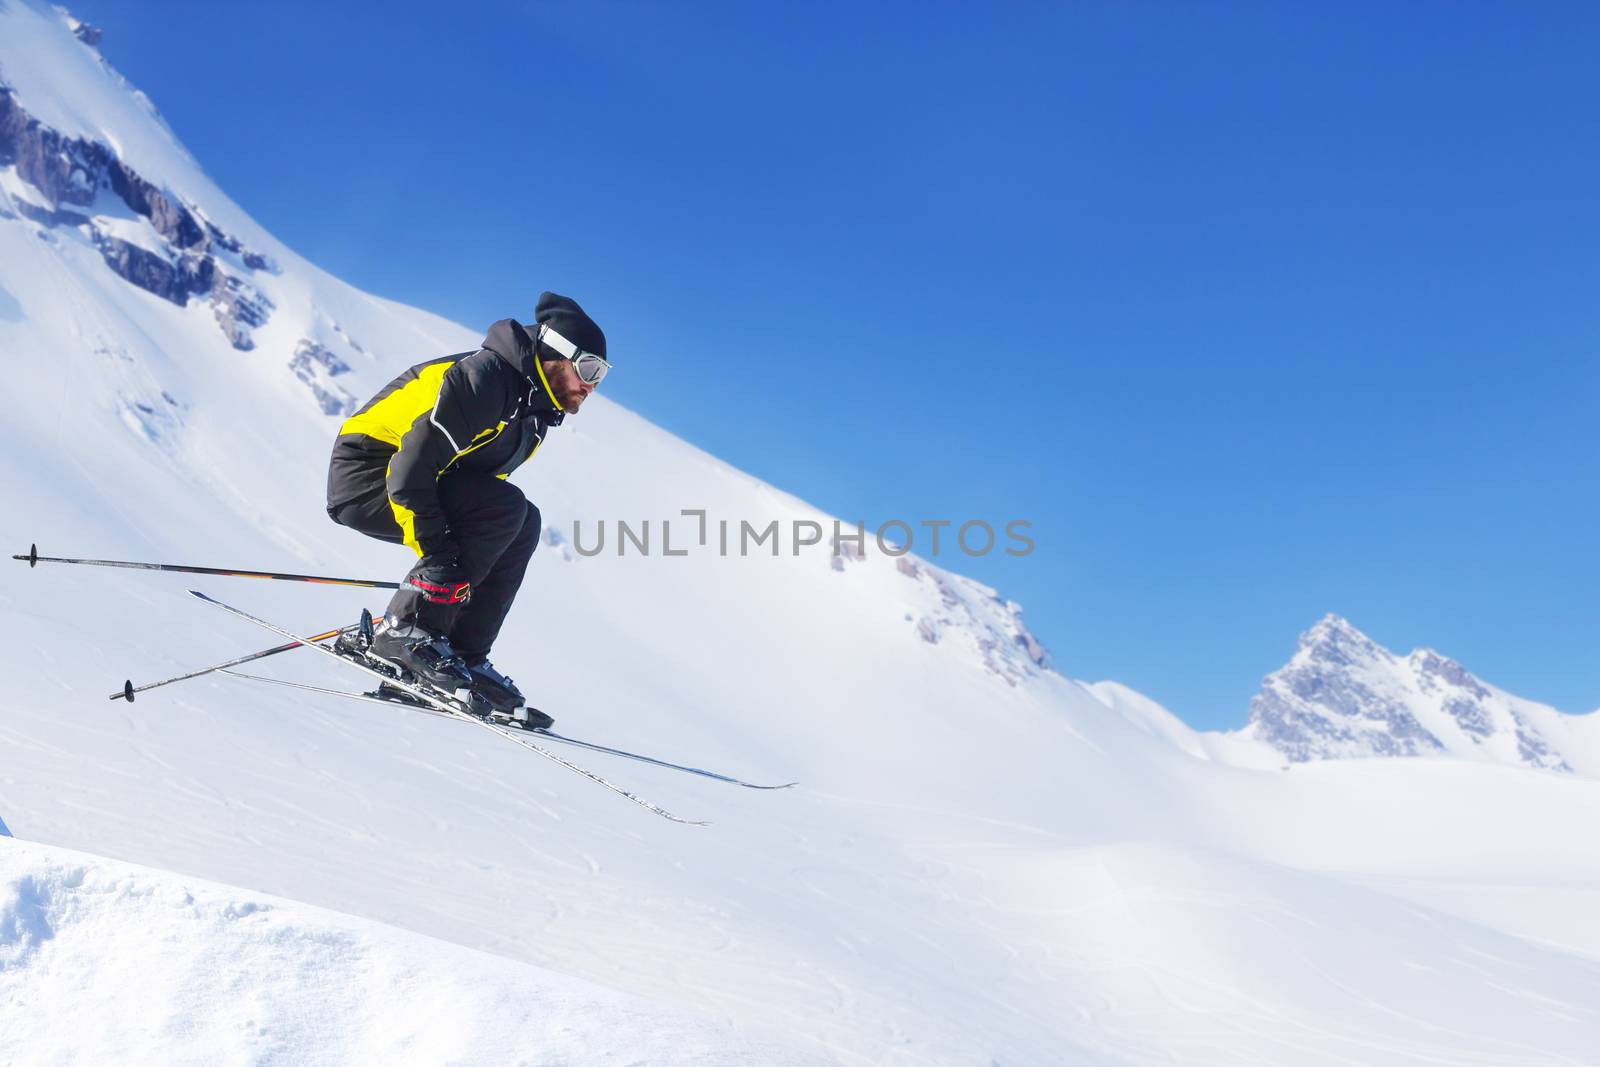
590	367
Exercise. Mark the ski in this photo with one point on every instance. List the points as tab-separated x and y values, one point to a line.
373	698
370	698
592	747
128	689
449	709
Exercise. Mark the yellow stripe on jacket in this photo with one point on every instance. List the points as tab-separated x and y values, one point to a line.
390	418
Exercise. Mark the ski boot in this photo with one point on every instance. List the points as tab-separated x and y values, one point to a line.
409	648
498	691
499	698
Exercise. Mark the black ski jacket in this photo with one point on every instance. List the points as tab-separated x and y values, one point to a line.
486	411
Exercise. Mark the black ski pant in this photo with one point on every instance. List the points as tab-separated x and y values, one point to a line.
496	529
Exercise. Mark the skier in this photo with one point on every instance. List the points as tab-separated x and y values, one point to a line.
424	462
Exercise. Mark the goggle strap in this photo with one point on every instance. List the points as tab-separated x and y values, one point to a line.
563	347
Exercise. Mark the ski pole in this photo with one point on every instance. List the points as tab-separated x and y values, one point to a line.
129	689
33	559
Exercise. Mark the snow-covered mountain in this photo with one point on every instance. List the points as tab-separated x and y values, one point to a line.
986	862
1344	696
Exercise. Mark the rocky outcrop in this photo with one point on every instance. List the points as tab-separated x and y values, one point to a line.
252	260
89	35
172	220
148	271
72	172
46	217
961	609
239	308
317	365
845	550
173	278
65	170
186	257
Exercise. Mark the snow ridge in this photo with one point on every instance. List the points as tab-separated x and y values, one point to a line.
117	963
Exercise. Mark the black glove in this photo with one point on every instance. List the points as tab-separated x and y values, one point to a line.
439	577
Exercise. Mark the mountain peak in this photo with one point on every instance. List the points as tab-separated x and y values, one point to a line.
1342	695
1334	640
89	35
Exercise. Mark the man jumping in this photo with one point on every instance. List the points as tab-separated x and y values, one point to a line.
424	462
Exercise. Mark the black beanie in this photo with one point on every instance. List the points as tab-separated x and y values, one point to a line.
563	315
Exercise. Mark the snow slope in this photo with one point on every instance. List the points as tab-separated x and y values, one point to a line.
106	962
986	862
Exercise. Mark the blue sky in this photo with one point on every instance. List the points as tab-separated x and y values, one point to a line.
1256	311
